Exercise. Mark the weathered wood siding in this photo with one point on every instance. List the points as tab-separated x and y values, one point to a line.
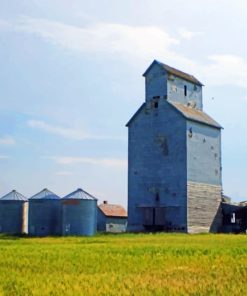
203	154
204	211
116	224
175	92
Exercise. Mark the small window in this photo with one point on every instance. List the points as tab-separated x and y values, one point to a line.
190	132
185	90
156	105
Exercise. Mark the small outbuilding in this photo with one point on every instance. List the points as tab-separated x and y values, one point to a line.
44	214
13	213
234	218
79	212
111	218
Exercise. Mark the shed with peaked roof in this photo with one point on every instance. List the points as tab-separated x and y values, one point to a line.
13	213
234	217
44	214
111	218
79	213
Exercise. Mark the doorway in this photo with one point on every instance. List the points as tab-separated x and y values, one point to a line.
154	218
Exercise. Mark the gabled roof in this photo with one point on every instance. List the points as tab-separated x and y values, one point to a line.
111	210
14	195
45	194
79	194
188	112
174	72
134	116
228	208
195	114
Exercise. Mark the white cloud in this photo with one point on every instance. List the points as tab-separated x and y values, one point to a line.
146	42
7	140
186	34
140	42
111	38
69	133
108	162
225	70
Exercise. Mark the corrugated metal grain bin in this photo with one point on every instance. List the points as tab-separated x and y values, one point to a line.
44	214
13	213
79	210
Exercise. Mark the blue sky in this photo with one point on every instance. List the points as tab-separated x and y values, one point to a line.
71	77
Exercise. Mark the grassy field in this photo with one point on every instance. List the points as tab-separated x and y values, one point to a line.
160	264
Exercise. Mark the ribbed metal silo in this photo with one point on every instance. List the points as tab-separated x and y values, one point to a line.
79	210
44	214
13	213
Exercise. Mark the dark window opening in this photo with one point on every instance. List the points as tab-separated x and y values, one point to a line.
185	90
157	197
156	97
190	132
156	105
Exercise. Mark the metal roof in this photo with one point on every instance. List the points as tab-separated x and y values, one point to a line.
111	210
195	114
228	208
45	194
80	194
243	203
14	195
175	72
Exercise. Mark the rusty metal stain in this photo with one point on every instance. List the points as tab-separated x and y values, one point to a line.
72	202
162	141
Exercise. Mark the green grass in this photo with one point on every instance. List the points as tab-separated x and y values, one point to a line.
151	264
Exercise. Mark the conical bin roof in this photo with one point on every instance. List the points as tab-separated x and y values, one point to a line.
14	195
80	194
45	194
